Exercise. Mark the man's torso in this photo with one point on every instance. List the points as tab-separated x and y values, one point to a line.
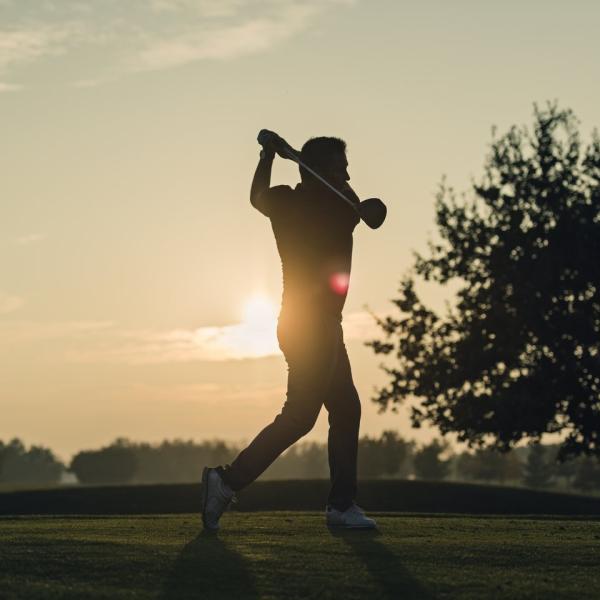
313	233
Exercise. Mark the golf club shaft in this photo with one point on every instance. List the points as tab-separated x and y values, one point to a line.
295	158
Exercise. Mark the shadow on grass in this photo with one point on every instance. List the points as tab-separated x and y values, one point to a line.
384	566
208	568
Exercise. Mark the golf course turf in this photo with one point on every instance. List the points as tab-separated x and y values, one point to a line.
293	555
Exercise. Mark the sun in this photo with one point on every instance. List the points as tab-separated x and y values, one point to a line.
253	336
260	312
256	335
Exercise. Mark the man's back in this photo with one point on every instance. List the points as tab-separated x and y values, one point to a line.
313	231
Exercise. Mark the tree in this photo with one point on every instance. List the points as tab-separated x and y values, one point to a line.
518	355
382	456
178	460
587	476
314	462
428	463
487	464
377	457
113	464
19	465
304	460
539	467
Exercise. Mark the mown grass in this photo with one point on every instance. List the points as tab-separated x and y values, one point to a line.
293	555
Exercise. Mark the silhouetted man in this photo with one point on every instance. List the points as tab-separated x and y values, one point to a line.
313	231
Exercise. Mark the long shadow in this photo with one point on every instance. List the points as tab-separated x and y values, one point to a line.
208	568
384	566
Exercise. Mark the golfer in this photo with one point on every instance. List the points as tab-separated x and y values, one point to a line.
313	231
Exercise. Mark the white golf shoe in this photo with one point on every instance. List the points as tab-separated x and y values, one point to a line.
351	518
216	497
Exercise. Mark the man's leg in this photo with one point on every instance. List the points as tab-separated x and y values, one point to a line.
311	362
343	405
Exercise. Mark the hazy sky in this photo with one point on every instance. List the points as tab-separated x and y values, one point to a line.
138	287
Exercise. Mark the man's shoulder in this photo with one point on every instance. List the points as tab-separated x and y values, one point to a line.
279	198
279	192
282	190
270	200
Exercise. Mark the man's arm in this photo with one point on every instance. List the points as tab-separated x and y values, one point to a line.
262	181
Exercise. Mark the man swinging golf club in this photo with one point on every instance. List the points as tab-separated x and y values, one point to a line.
313	225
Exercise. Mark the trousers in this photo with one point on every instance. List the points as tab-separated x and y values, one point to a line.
319	373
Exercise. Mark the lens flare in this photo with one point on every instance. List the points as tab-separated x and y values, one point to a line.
339	283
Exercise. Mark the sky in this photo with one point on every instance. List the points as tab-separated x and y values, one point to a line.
139	289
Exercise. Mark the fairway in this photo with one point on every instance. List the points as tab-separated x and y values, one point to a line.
293	555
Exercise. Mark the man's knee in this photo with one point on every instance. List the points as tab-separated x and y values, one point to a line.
299	424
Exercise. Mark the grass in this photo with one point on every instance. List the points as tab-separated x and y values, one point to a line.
293	555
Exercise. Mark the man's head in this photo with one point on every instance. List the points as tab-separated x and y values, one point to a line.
326	156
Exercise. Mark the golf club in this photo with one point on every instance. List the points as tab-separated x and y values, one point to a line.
372	211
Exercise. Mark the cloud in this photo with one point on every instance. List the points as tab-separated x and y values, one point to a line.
137	347
9	303
146	35
208	393
13	333
28	44
30	238
21	46
238	341
9	87
204	8
103	342
225	42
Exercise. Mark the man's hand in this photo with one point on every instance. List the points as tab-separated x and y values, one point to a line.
262	175
274	144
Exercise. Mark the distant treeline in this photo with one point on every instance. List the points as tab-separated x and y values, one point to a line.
36	465
388	456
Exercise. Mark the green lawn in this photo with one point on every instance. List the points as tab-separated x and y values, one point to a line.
293	555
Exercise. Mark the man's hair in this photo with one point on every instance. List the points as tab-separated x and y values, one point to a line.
317	152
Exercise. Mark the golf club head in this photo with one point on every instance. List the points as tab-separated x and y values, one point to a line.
373	212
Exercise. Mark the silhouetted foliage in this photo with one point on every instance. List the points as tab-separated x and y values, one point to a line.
539	467
428	463
304	460
390	455
519	354
178	461
587	476
112	464
387	455
19	465
181	461
489	465
169	462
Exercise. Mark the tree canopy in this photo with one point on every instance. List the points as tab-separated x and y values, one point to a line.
21	465
518	354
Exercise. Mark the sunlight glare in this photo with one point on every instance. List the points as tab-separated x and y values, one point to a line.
257	333
259	311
